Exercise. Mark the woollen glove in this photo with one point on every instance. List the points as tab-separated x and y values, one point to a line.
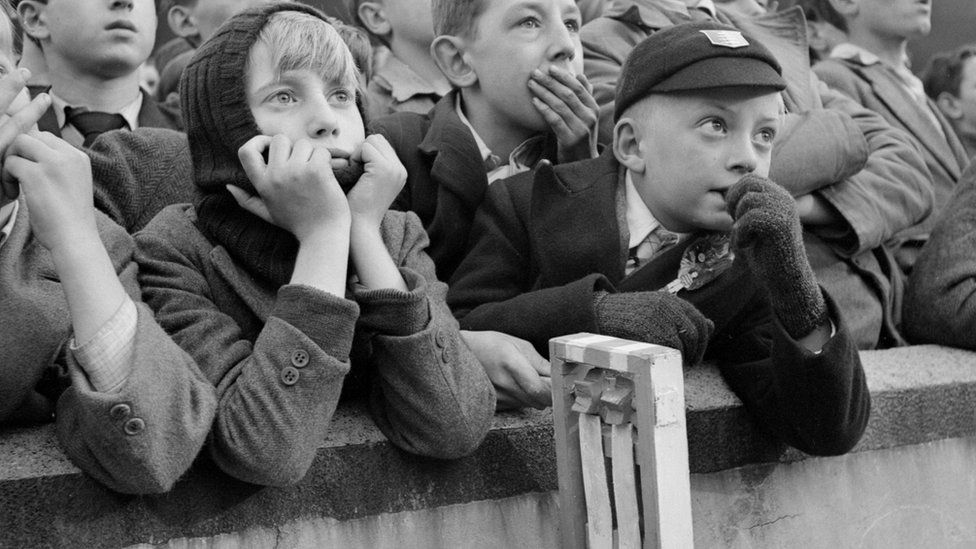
654	317
767	232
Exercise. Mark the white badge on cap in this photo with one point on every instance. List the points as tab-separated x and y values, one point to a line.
726	38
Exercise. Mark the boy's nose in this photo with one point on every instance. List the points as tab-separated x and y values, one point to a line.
122	5
563	46
323	121
743	157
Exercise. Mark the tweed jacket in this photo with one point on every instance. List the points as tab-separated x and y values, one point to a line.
138	173
545	241
939	304
871	173
278	356
151	114
446	178
139	439
878	89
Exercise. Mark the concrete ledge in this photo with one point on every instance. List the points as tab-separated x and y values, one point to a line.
920	394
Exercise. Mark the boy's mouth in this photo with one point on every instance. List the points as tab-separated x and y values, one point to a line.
121	24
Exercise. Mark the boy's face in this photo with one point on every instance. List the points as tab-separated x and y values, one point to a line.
967	96
694	146
515	37
302	104
410	21
110	37
898	19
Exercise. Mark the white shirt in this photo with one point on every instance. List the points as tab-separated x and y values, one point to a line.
514	165
70	134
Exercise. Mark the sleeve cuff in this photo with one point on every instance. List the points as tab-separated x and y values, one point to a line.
327	320
106	357
395	312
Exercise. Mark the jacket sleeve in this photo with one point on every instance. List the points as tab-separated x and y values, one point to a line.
940	300
816	402
275	397
431	395
141	438
493	289
894	191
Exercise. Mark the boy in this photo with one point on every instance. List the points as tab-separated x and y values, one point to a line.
859	183
407	79
276	280
950	81
635	244
872	68
93	50
131	408
516	86
193	22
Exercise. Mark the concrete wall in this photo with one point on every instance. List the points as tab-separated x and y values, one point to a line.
909	483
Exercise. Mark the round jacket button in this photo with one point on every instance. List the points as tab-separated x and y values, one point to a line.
299	359
289	375
134	426
440	338
119	412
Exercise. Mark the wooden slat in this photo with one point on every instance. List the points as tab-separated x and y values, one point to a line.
599	523
572	507
625	487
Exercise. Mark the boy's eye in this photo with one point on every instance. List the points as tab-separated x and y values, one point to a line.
343	96
283	98
573	25
766	136
715	125
530	23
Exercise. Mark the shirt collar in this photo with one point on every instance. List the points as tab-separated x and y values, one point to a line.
129	112
523	158
8	227
402	82
853	52
640	220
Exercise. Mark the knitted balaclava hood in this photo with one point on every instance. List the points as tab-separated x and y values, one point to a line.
216	115
219	121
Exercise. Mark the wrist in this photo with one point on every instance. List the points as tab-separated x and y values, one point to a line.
328	231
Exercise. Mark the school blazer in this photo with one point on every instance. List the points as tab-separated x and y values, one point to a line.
446	178
151	115
545	241
279	356
139	439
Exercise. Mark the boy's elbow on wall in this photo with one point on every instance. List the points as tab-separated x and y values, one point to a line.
264	465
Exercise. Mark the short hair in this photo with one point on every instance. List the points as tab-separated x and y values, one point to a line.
301	41
821	10
456	17
944	71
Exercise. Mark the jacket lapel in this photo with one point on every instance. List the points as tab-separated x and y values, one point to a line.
901	105
574	209
455	154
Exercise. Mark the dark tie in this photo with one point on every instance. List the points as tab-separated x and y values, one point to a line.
91	124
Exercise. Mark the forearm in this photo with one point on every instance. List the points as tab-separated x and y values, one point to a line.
90	284
322	261
374	266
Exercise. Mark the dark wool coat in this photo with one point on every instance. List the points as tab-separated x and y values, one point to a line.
139	439
545	241
446	178
151	114
279	355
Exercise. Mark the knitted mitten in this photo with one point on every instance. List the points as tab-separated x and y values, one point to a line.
654	317
767	233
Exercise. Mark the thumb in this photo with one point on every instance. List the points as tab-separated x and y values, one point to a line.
250	202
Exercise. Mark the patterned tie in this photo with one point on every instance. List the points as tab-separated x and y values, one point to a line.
91	124
657	240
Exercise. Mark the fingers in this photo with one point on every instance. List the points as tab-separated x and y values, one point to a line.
251	155
10	86
564	101
250	202
22	120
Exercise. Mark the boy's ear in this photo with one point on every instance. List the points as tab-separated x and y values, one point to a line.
373	17
626	145
33	17
448	53
181	22
949	106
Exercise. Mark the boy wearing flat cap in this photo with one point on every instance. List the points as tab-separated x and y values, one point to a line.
674	236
